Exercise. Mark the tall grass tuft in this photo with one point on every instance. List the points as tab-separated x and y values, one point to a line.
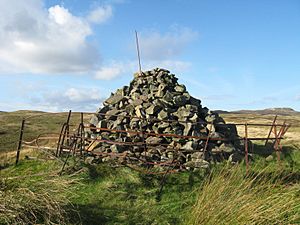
34	201
228	197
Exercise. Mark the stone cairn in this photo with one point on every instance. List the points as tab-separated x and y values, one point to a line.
163	123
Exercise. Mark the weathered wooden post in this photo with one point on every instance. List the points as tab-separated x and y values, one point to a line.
81	134
20	140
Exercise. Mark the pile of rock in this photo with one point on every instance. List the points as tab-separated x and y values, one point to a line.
163	122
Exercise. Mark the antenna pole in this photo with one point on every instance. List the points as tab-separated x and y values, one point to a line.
138	52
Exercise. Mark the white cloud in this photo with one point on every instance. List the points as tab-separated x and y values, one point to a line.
38	40
77	99
116	69
157	46
100	14
113	70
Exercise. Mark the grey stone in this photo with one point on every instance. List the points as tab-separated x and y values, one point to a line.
115	148
269	158
197	155
94	120
153	109
187	129
102	124
114	99
161	92
168	97
153	140
182	113
194	118
199	163
188	146
162	115
229	148
180	100
89	160
139	111
180	88
137	102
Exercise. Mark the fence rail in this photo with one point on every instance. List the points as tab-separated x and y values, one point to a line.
75	142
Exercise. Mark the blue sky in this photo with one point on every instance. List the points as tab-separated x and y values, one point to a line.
60	55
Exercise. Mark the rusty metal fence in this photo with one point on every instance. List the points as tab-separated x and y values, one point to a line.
76	143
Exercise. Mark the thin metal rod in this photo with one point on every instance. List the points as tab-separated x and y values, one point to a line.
64	132
20	141
138	52
280	134
207	140
246	148
274	121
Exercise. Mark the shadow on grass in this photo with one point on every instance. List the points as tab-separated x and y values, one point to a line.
98	213
88	214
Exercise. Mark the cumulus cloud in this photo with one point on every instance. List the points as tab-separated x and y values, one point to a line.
163	46
78	99
113	70
39	40
100	14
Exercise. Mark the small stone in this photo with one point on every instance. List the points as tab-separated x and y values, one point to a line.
139	111
197	155
269	158
180	88
168	97
89	160
153	109
163	125
188	146
137	102
229	148
114	99
115	148
162	115
153	140
180	100
187	129
94	120
102	124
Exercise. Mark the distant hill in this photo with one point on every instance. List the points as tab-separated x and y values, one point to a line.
278	111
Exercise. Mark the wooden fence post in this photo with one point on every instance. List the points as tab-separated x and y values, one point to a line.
20	140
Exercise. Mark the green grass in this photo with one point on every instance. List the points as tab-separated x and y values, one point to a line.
106	195
229	197
102	194
39	123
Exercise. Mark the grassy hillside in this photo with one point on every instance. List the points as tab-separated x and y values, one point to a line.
33	192
36	123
